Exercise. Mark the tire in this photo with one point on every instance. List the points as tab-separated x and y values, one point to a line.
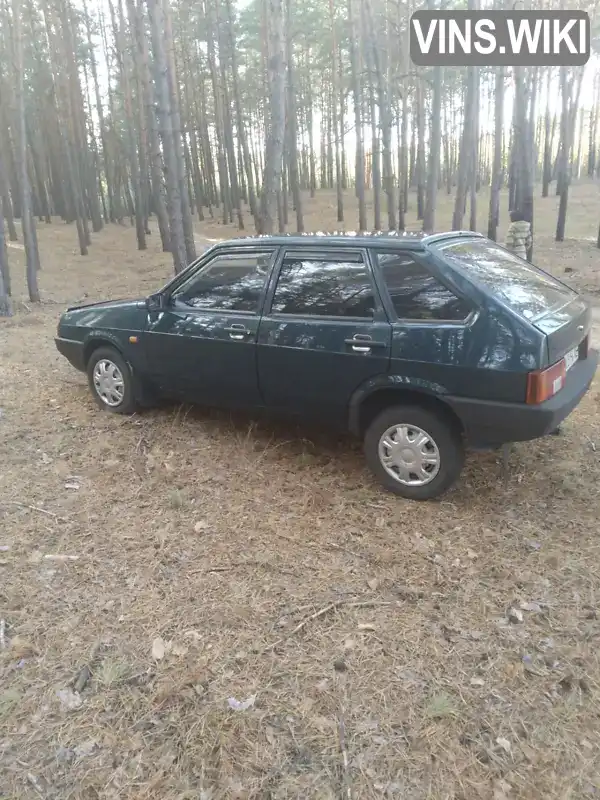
443	451
121	398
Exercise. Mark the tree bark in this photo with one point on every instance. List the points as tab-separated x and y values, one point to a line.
356	91
292	149
240	127
570	87
338	120
547	160
271	184
435	146
5	302
474	159
497	170
384	103
186	215
163	102
154	155
32	256
465	154
124	71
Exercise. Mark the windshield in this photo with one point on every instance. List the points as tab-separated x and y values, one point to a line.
524	288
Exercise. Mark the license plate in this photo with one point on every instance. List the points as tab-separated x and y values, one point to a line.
571	358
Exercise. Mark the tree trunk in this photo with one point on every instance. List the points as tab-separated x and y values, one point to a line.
338	122
474	159
375	163
420	148
75	209
311	130
32	256
356	91
593	133
292	149
271	184
186	214
497	170
570	90
384	103
522	134
435	146
163	102
240	127
5	303
154	155
124	70
6	199
466	154
547	165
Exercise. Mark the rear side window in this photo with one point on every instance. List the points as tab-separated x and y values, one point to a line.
336	286
415	293
523	287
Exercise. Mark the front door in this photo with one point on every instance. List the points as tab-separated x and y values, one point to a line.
323	333
202	348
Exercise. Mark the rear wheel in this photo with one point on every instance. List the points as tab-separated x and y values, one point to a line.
111	381
414	453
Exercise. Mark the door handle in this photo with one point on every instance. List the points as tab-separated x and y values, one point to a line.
237	331
362	343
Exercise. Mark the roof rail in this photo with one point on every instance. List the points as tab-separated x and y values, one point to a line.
434	237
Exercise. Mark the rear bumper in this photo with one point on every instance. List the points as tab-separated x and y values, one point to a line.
487	423
72	350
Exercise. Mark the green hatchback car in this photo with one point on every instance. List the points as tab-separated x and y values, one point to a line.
420	345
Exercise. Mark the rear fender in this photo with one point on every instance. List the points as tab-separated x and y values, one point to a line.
406	388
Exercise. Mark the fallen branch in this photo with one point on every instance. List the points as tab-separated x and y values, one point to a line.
38	509
347	793
35	782
59	557
236	564
592	443
331	607
350	552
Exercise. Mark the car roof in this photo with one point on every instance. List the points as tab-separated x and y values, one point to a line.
413	240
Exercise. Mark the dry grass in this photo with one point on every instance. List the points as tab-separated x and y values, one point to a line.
264	561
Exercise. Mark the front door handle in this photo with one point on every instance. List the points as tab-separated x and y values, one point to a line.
237	331
362	343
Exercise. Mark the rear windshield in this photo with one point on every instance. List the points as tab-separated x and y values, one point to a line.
524	288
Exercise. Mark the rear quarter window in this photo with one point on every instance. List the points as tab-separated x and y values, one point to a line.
527	290
415	293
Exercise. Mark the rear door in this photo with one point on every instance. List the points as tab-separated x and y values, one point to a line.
324	332
203	346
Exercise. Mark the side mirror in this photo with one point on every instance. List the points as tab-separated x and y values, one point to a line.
156	302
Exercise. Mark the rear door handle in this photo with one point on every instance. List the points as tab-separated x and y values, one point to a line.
237	331
362	343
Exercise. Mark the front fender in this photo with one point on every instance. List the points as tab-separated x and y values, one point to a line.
131	351
399	383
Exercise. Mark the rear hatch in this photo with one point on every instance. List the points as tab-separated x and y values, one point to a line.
551	306
567	330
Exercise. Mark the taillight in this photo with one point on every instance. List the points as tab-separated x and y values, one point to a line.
544	384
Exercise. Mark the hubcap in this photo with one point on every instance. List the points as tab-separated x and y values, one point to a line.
108	382
409	455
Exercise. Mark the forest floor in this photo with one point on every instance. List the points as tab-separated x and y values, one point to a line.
190	557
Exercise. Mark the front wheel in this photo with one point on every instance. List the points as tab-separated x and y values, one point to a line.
413	452
111	381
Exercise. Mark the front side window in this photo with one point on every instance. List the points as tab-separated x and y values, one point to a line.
232	282
327	287
523	287
415	293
